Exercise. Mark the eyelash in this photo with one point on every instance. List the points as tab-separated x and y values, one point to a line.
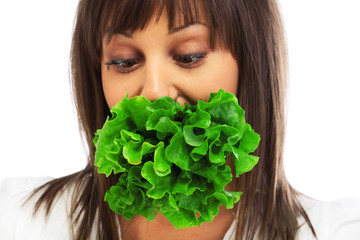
182	60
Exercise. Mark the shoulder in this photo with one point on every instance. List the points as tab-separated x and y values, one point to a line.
333	220
17	220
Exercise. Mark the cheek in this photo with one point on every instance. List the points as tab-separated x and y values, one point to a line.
108	89
220	72
114	88
228	74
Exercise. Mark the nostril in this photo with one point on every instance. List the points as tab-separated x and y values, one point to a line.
181	100
153	90
174	93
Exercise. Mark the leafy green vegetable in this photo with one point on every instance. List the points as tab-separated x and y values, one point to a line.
171	158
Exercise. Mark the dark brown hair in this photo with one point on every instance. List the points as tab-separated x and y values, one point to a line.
252	30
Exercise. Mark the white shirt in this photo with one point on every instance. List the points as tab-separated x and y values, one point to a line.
337	220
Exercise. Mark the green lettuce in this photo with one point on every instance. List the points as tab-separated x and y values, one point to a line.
171	158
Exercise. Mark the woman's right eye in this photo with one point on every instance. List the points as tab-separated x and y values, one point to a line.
123	65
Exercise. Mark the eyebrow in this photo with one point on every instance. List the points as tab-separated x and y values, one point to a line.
172	31
178	29
125	34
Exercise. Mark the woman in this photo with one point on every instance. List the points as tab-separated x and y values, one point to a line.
185	50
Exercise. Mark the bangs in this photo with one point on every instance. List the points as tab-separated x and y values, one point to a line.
128	16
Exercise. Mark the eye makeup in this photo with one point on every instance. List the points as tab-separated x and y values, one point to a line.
123	65
190	60
186	61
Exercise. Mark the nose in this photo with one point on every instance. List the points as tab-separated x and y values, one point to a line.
156	82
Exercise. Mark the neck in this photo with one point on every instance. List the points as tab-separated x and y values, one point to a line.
161	229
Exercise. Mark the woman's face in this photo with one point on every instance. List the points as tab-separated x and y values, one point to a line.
155	62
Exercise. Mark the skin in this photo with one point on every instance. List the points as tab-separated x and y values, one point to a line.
180	64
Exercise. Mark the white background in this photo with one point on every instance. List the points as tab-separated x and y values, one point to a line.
39	135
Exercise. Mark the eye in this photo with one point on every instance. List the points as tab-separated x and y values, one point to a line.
190	60
123	65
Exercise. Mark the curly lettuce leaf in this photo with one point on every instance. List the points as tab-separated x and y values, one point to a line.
172	159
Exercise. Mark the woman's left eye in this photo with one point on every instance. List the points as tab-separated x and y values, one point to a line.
190	60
